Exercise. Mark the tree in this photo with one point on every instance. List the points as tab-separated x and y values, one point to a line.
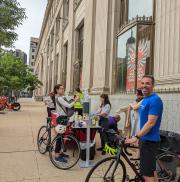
11	15
15	75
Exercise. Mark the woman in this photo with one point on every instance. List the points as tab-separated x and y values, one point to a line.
50	103
103	113
135	123
78	106
61	105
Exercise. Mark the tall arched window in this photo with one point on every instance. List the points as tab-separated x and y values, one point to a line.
135	45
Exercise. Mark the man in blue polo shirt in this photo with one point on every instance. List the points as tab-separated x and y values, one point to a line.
150	112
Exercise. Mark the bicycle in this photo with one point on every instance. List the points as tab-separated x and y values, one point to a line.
113	168
69	145
15	106
44	137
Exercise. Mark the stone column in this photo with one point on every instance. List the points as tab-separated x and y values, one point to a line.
89	40
70	26
167	44
102	47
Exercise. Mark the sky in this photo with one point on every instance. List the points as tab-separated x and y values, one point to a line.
31	26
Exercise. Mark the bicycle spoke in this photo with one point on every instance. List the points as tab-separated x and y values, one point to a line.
68	146
106	172
43	139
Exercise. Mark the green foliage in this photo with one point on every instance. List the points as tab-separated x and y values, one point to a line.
15	75
11	15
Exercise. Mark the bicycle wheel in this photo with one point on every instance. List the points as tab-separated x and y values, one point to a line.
16	106
103	171
166	167
69	147
43	139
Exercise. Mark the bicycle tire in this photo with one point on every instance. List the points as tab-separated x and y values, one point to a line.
121	163
70	141
45	141
165	164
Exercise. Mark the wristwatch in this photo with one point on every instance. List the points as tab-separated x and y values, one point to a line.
137	137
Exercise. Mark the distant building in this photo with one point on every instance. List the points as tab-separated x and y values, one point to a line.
22	55
32	52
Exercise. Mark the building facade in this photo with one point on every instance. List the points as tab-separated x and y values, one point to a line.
22	55
107	46
32	52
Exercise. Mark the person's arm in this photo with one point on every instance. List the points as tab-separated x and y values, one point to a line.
65	103
98	111
122	109
155	111
46	101
146	128
135	106
105	111
103	114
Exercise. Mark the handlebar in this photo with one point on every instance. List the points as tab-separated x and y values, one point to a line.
125	146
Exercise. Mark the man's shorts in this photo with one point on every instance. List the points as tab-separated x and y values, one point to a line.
148	151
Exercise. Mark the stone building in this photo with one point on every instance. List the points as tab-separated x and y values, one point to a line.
32	52
107	46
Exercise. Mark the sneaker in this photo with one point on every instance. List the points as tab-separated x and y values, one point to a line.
64	155
99	149
60	159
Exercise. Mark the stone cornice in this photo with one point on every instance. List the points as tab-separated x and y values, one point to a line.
168	80
99	90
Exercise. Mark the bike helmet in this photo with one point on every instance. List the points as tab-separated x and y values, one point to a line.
110	150
61	129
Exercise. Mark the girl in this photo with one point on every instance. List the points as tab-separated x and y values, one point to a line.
103	113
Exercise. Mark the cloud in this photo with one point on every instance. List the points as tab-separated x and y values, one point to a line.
31	27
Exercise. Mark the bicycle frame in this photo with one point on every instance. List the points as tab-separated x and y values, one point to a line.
123	152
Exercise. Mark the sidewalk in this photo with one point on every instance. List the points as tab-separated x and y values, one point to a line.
20	160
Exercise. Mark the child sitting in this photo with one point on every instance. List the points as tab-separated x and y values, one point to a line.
110	137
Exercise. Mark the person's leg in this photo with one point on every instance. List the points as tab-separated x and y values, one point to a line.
104	125
58	147
59	155
148	160
100	134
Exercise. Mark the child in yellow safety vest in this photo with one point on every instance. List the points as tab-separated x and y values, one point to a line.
78	107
